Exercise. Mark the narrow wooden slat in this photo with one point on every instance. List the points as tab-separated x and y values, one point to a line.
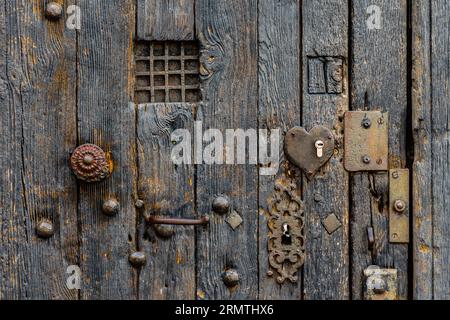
326	269
379	82
279	108
106	118
165	19
228	35
168	191
37	130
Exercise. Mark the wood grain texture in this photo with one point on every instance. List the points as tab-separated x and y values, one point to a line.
326	269
167	190
379	82
37	90
430	75
228	36
165	19
279	108
106	118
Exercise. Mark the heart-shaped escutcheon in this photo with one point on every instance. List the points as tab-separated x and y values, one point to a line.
302	148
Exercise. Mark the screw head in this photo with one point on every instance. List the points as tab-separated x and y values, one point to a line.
230	278
164	230
366	123
137	259
366	159
399	205
395	174
221	205
53	10
110	207
45	229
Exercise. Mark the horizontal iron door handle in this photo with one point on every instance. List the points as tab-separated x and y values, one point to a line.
178	221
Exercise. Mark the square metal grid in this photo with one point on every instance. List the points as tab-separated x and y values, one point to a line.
167	71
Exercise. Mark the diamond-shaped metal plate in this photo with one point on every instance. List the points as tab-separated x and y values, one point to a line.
331	223
234	220
366	141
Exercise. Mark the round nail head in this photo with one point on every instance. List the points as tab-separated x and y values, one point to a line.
164	230
53	10
399	205
45	229
230	278
221	205
110	207
137	259
366	159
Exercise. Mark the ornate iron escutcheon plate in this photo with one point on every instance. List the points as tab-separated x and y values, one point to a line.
309	150
89	163
366	141
286	238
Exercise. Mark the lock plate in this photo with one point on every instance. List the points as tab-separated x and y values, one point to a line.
398	205
366	141
309	150
380	284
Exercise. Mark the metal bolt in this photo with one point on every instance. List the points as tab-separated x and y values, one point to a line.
45	229
379	285
139	203
88	159
366	123
164	230
270	273
53	10
399	206
221	205
137	259
230	278
395	174
366	159
110	207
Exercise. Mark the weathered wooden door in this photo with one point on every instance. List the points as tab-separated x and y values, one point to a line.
135	82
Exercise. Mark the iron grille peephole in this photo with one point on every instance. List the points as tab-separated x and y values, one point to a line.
167	71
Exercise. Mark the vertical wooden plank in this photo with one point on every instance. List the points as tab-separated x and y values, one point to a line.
440	142
325	39
279	108
165	19
167	190
379	82
38	128
422	224
228	35
106	118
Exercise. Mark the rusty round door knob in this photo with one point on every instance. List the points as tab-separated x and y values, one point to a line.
89	163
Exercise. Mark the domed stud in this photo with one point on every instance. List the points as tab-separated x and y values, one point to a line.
230	278
221	205
53	10
164	230
137	259
45	229
89	163
110	207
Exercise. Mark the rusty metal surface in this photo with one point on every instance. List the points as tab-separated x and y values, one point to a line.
366	141
300	148
398	205
286	239
381	284
89	163
178	221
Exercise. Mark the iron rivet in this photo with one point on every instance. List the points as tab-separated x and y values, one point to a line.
221	205
139	203
395	174
366	159
88	159
270	273
366	123
164	230
137	259
53	10
45	229
230	278
110	207
399	206
379	286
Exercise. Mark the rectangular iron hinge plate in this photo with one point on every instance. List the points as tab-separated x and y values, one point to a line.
366	141
398	205
380	284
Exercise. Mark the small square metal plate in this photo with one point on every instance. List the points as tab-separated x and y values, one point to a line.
234	220
331	223
366	141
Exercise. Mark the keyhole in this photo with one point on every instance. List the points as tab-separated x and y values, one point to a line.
319	147
286	238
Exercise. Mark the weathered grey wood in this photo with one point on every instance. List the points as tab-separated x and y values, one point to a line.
379	82
107	118
228	35
422	134
37	84
165	19
326	268
431	194
167	190
279	108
